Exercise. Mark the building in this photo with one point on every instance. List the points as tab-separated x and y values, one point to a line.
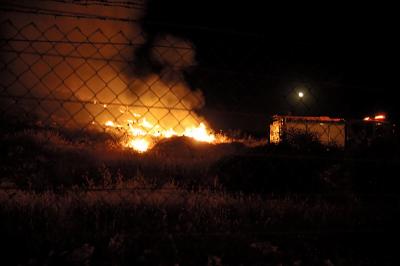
329	131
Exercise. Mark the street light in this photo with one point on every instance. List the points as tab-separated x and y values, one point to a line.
301	94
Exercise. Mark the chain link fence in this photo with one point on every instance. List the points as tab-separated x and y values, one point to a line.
83	78
170	224
93	71
89	70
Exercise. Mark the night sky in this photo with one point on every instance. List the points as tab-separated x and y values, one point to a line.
252	58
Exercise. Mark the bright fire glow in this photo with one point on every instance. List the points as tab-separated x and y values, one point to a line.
110	124
169	133
140	145
142	135
375	118
200	133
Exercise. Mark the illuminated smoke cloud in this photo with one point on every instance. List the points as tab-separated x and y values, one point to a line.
83	73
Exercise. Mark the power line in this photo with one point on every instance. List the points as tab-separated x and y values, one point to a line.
128	5
58	13
94	43
98	102
142	3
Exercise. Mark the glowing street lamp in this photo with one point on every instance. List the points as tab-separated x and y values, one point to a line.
301	94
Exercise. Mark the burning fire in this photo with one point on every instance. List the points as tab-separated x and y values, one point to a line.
168	89
378	117
140	145
143	135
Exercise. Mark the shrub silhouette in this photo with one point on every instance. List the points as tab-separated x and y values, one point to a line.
302	140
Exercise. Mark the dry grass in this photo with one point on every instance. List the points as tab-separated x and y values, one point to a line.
73	198
169	224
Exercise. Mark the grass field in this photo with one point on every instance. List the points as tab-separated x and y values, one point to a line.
69	198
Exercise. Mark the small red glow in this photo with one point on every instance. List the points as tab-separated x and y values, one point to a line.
380	117
367	118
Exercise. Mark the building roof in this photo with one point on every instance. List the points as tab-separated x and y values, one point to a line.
308	118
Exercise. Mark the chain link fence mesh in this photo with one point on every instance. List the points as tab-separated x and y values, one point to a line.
73	77
74	70
83	70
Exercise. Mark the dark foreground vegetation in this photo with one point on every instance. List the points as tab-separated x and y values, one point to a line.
73	198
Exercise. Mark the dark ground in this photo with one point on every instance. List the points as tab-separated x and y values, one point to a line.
73	198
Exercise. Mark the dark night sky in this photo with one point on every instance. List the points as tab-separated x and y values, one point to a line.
250	56
253	56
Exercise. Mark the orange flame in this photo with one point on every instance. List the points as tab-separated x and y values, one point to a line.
110	124
143	135
140	145
199	133
380	117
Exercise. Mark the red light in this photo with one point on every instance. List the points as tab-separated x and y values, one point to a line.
380	117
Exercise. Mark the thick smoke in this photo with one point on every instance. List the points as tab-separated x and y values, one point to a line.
79	72
170	99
